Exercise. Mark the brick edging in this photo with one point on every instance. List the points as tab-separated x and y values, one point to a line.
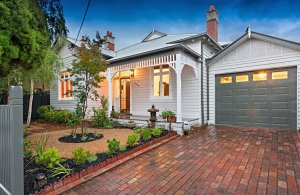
93	171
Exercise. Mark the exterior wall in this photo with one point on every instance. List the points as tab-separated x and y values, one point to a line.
208	52
54	101
194	45
141	91
190	94
251	55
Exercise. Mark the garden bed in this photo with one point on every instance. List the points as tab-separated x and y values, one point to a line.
31	168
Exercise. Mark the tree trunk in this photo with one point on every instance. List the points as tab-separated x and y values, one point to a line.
30	103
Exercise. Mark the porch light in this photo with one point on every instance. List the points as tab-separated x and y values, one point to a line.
132	73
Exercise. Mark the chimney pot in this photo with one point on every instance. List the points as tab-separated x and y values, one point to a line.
107	33
82	38
110	34
211	8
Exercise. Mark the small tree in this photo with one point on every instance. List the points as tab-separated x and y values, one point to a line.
86	73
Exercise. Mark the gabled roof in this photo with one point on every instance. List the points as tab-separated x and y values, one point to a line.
154	35
104	51
149	46
256	35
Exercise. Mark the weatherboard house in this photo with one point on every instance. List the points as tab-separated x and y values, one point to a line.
252	82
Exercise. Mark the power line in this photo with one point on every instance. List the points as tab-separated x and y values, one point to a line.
83	20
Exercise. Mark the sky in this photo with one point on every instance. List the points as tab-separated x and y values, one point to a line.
130	21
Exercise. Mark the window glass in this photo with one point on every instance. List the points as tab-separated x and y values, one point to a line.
165	68
156	84
65	85
279	75
156	69
242	78
260	77
226	79
165	85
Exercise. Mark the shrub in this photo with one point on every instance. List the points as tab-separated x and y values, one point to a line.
122	148
83	138
60	170
146	134
131	140
50	158
26	145
138	130
167	113
80	155
40	145
100	115
92	158
113	145
157	132
96	134
42	110
108	126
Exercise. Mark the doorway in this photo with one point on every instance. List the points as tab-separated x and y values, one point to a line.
125	95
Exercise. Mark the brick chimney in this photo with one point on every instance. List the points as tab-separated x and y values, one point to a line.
109	41
212	22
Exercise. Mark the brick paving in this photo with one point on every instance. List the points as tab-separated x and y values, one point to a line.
219	160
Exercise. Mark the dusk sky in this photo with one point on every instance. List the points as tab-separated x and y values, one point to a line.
130	21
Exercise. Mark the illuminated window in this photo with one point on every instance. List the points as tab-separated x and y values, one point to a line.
242	78
161	81
260	77
226	79
279	75
65	86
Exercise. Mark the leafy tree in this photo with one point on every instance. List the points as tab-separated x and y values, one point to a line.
86	73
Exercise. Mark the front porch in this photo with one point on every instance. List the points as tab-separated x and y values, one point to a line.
144	120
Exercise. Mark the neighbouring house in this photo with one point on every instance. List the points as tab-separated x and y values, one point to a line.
250	82
255	82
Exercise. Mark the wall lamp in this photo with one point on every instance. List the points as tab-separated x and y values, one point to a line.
132	73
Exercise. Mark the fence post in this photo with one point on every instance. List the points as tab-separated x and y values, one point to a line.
16	140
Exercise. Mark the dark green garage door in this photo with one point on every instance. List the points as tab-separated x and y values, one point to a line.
265	98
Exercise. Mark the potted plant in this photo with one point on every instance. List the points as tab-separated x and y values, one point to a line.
114	114
130	124
169	115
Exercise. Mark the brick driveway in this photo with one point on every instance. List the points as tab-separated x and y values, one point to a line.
220	160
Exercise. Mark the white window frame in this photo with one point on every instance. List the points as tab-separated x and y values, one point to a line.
160	98
59	86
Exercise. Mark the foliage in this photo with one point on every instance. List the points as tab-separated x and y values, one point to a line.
113	112
167	113
40	145
156	131
91	158
60	170
26	145
49	114
122	148
146	134
108	126
86	74
80	155
187	132
138	130
108	152
26	132
100	115
96	134
83	138
113	145
130	121
131	140
50	158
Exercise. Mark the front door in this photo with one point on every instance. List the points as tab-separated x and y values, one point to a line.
125	95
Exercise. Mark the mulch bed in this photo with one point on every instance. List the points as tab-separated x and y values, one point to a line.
31	169
78	138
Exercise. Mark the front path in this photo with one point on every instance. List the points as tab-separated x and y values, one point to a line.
220	160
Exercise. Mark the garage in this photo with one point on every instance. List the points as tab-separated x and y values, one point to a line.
264	98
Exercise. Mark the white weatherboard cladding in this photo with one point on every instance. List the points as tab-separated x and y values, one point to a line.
140	93
271	56
194	45
208	52
190	94
54	99
154	36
